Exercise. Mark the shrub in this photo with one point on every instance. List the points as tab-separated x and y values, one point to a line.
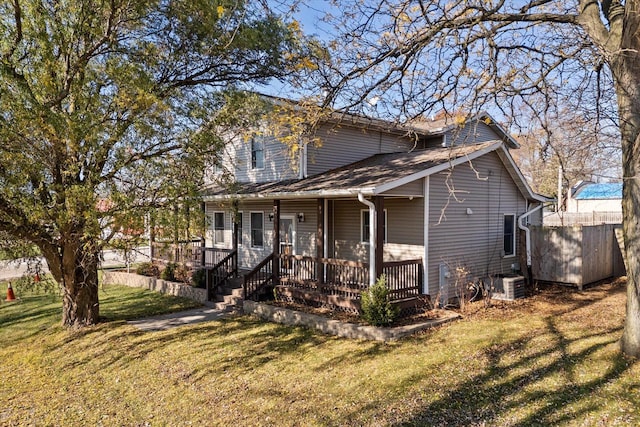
183	274
148	269
375	304
199	279
169	272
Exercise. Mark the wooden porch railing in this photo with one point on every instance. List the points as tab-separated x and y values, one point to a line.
342	278
216	275
348	279
404	278
261	276
209	257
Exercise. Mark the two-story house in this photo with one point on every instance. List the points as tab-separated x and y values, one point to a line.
420	203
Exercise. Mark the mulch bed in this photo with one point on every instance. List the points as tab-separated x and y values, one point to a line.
352	318
553	299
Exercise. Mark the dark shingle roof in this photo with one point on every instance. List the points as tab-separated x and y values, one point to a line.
364	174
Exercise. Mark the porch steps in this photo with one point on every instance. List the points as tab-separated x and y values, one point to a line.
229	297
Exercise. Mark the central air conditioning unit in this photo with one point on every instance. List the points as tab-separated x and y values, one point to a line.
507	288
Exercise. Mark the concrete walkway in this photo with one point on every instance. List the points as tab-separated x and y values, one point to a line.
172	320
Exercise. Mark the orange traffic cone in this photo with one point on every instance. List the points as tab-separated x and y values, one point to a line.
10	295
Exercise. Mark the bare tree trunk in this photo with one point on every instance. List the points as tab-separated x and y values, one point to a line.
625	68
76	270
80	305
630	342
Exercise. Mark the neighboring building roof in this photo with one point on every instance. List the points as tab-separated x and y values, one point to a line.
594	191
373	175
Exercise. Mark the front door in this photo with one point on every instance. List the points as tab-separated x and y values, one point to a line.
287	235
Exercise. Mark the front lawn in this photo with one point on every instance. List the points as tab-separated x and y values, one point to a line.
551	359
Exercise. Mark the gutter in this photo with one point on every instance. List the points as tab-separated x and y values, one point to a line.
292	195
372	238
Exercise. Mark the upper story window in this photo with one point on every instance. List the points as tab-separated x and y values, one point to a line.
257	153
509	235
364	226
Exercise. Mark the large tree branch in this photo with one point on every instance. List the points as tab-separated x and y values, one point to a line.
95	48
464	19
17	16
590	20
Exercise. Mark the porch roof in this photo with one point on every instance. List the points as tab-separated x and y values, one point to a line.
372	176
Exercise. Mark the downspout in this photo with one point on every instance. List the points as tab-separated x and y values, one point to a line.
425	262
527	238
301	171
303	159
326	230
372	238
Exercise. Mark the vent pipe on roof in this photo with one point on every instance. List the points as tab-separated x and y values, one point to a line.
372	238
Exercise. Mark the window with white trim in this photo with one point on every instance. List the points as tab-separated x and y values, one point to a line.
257	229
257	153
509	235
218	228
364	226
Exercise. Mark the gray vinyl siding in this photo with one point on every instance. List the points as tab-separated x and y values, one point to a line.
305	231
248	256
346	231
471	240
471	133
405	229
415	189
278	164
341	145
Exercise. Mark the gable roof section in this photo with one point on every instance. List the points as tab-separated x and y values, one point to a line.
421	127
371	176
442	126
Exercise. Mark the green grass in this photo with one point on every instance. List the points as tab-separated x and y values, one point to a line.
539	362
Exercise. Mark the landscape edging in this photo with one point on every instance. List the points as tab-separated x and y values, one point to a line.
153	284
336	327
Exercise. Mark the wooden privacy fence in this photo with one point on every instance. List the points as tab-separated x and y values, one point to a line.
562	219
576	255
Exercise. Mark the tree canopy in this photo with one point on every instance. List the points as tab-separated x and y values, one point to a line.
99	102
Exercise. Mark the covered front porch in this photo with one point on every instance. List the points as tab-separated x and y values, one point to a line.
291	268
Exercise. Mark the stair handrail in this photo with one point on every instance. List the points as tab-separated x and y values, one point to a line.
228	272
249	278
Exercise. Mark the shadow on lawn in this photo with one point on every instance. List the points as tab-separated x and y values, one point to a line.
527	391
566	298
238	343
115	308
28	317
